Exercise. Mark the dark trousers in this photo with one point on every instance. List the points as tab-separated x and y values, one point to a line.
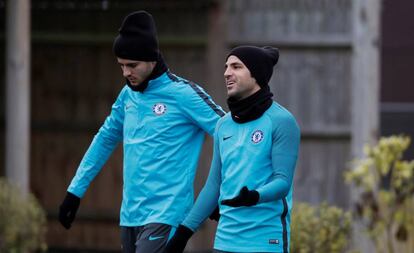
150	238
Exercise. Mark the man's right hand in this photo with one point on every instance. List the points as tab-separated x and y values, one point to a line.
68	209
179	240
246	197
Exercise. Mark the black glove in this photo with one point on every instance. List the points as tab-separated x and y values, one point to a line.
179	240
245	198
68	209
215	215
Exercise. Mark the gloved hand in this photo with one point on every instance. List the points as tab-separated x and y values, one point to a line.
215	215
245	198
179	240
68	209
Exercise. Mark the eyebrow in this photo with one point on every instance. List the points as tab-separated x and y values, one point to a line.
127	64
233	64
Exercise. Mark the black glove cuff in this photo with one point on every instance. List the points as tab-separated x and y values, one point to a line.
254	196
71	200
184	231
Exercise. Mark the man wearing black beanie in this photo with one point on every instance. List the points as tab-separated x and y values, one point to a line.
161	119
256	146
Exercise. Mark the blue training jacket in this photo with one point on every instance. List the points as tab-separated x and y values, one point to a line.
260	154
162	130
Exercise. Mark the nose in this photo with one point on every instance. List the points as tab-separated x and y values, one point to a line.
126	72
227	73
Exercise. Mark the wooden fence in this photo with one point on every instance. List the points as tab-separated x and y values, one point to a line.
75	79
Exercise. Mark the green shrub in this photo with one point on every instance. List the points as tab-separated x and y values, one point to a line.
385	205
22	221
319	228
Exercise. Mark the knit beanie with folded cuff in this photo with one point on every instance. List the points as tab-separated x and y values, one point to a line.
259	61
137	39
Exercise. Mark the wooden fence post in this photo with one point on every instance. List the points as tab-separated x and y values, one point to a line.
365	89
18	92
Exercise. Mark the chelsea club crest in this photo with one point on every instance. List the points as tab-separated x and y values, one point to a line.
159	109
257	136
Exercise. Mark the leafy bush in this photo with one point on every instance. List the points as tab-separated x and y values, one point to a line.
320	228
22	221
385	204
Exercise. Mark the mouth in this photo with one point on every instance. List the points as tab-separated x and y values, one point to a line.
132	81
229	84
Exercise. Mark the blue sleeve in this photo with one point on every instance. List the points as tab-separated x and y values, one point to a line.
285	148
200	108
208	198
102	146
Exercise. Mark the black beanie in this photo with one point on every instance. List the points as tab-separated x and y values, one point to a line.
259	61
137	39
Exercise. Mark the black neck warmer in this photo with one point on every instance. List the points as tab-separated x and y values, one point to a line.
159	69
250	108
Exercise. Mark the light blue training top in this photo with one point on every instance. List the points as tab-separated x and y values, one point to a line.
261	155
162	130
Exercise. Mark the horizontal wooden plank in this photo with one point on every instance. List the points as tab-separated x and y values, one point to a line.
104	5
92	127
107	39
298	42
